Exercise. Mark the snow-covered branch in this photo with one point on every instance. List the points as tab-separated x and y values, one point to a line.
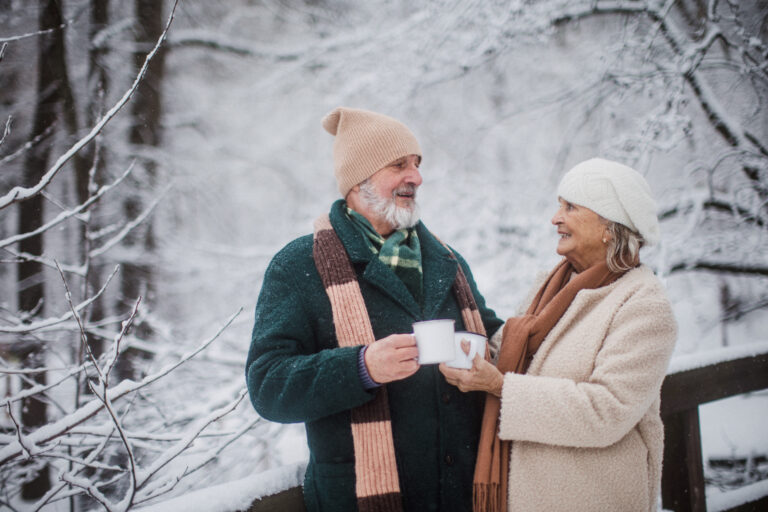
727	268
67	214
744	214
129	226
126	387
21	328
17	194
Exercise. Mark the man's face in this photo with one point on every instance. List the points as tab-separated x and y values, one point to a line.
391	192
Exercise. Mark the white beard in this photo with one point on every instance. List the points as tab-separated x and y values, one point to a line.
398	217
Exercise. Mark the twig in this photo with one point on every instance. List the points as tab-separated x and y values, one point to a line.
7	129
128	227
91	408
36	326
33	34
17	194
728	268
26	450
29	144
110	364
68	214
191	435
104	397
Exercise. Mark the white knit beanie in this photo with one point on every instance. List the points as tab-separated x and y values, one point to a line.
365	142
615	192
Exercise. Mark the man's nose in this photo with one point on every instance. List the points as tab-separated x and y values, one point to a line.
414	175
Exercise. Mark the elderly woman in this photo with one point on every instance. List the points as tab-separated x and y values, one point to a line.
572	406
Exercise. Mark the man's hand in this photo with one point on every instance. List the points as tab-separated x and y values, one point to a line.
483	376
392	358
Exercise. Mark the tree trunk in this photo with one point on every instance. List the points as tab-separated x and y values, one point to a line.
145	132
93	175
30	289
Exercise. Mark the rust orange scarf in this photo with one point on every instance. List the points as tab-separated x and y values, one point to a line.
521	337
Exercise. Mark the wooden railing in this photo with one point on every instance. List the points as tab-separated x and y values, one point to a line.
682	482
682	485
289	500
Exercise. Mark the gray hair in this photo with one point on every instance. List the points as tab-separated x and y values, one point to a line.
623	247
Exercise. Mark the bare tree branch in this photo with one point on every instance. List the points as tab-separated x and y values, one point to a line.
68	214
130	226
29	144
17	194
7	128
22	328
88	410
744	214
728	268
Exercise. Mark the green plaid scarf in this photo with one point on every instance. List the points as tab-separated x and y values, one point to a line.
401	252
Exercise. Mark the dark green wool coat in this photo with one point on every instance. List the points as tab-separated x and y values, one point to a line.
297	373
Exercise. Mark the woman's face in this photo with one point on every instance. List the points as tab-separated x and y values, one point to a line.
581	235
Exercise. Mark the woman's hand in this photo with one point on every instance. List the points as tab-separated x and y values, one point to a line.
483	376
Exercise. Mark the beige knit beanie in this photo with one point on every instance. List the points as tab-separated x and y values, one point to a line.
365	142
615	192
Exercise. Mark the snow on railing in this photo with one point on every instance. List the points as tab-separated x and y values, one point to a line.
238	495
696	380
686	362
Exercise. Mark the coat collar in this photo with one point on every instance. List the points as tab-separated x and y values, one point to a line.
438	266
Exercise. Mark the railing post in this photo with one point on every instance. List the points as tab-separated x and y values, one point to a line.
683	477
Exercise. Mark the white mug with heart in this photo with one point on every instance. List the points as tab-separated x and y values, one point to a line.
477	344
434	339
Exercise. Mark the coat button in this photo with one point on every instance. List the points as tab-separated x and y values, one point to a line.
449	460
446	397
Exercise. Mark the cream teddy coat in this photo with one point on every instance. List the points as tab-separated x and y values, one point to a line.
584	421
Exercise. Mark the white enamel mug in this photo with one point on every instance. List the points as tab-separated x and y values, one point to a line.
434	339
476	346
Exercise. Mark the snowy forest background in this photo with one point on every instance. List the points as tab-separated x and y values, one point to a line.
154	156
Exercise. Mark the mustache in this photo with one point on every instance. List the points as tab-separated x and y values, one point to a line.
407	189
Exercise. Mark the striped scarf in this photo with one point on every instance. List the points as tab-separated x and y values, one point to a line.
377	484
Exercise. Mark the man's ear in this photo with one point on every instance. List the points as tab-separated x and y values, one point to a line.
353	192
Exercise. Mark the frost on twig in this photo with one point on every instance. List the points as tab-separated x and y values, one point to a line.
100	442
17	194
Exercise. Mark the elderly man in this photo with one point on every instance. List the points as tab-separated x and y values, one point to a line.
328	345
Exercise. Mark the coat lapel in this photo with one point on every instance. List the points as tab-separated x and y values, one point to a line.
438	267
382	277
439	271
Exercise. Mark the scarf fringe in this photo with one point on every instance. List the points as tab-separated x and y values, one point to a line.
486	497
521	338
